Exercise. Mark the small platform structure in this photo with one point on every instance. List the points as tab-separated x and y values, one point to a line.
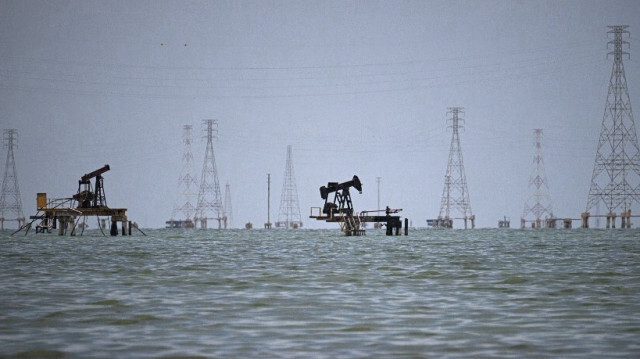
447	222
341	211
180	223
504	222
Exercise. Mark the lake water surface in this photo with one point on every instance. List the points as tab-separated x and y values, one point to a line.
318	294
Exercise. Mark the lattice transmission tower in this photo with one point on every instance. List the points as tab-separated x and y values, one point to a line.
10	199
615	181
289	214
455	195
539	202
184	207
209	197
228	209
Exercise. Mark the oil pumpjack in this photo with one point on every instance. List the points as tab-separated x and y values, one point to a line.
341	210
86	197
89	201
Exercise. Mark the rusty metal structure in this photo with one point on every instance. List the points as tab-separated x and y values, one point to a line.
341	210
64	214
88	197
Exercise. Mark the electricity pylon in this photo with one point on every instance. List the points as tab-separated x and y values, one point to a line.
615	181
184	205
209	197
455	195
289	214
10	200
539	202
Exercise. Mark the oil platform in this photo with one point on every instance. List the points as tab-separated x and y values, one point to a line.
64	214
341	210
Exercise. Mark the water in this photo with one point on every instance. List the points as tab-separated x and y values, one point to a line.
315	293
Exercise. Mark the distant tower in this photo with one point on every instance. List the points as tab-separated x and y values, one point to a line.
378	179
616	173
10	200
184	209
455	195
539	202
209	197
228	210
378	224
289	215
267	224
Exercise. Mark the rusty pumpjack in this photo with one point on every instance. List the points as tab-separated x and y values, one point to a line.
86	197
65	213
341	210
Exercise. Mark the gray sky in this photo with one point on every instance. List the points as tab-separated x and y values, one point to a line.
358	87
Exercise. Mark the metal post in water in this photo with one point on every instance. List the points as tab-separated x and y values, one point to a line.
268	224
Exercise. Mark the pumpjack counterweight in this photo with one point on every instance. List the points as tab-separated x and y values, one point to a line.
341	210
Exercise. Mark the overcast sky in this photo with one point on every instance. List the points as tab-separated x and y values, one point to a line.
356	87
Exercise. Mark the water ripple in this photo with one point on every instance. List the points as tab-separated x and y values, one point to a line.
312	293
